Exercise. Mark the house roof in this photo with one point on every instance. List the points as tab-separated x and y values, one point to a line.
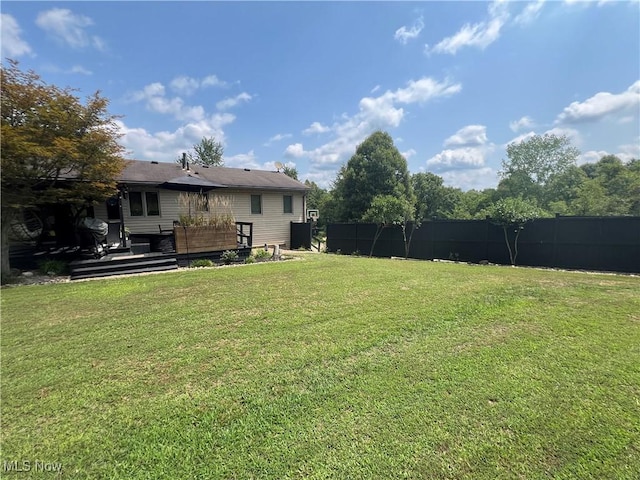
156	173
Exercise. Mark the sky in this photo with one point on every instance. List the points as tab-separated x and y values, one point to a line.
303	83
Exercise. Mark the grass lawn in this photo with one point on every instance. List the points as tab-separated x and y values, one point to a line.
327	367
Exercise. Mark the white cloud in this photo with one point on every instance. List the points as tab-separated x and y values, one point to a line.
277	137
80	70
408	154
529	13
11	43
571	133
521	124
624	153
69	28
470	149
75	70
404	34
213	81
458	158
295	150
186	85
154	96
375	89
477	179
380	112
469	136
316	127
242	160
233	101
601	105
591	156
167	146
480	35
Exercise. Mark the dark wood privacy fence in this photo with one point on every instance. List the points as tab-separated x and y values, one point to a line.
592	243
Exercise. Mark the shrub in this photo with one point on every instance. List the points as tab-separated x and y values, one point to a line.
55	267
201	262
250	259
229	256
262	254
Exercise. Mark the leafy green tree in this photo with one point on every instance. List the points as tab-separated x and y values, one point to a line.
474	203
377	168
533	163
512	214
290	172
49	135
388	210
433	199
318	198
207	152
611	188
563	189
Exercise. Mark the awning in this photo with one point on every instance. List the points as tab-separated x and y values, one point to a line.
190	183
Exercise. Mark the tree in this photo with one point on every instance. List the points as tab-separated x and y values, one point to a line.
611	187
386	211
207	152
377	168
48	136
290	172
513	214
534	162
433	199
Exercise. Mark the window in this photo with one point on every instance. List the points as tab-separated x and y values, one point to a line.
153	205
144	204
287	204
256	204
135	204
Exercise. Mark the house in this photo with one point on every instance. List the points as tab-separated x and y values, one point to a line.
151	199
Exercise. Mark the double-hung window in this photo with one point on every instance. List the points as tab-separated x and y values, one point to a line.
256	204
144	204
287	204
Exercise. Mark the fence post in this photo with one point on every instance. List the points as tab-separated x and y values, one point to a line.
554	259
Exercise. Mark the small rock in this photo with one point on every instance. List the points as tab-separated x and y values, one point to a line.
27	274
51	273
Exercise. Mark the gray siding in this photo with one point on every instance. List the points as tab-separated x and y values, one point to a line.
272	226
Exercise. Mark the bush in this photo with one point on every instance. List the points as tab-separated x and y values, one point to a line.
250	259
54	267
201	262
229	256
262	254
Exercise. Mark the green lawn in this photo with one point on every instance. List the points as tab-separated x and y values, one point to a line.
326	367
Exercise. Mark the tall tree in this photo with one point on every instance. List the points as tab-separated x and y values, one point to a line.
207	152
433	199
377	168
534	162
49	135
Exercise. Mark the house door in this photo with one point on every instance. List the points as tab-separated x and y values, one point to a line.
113	208
115	221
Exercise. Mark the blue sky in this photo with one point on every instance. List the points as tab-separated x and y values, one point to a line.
303	83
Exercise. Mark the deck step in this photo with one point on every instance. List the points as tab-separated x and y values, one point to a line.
122	265
81	276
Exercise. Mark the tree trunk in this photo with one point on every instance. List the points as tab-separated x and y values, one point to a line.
506	239
375	239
